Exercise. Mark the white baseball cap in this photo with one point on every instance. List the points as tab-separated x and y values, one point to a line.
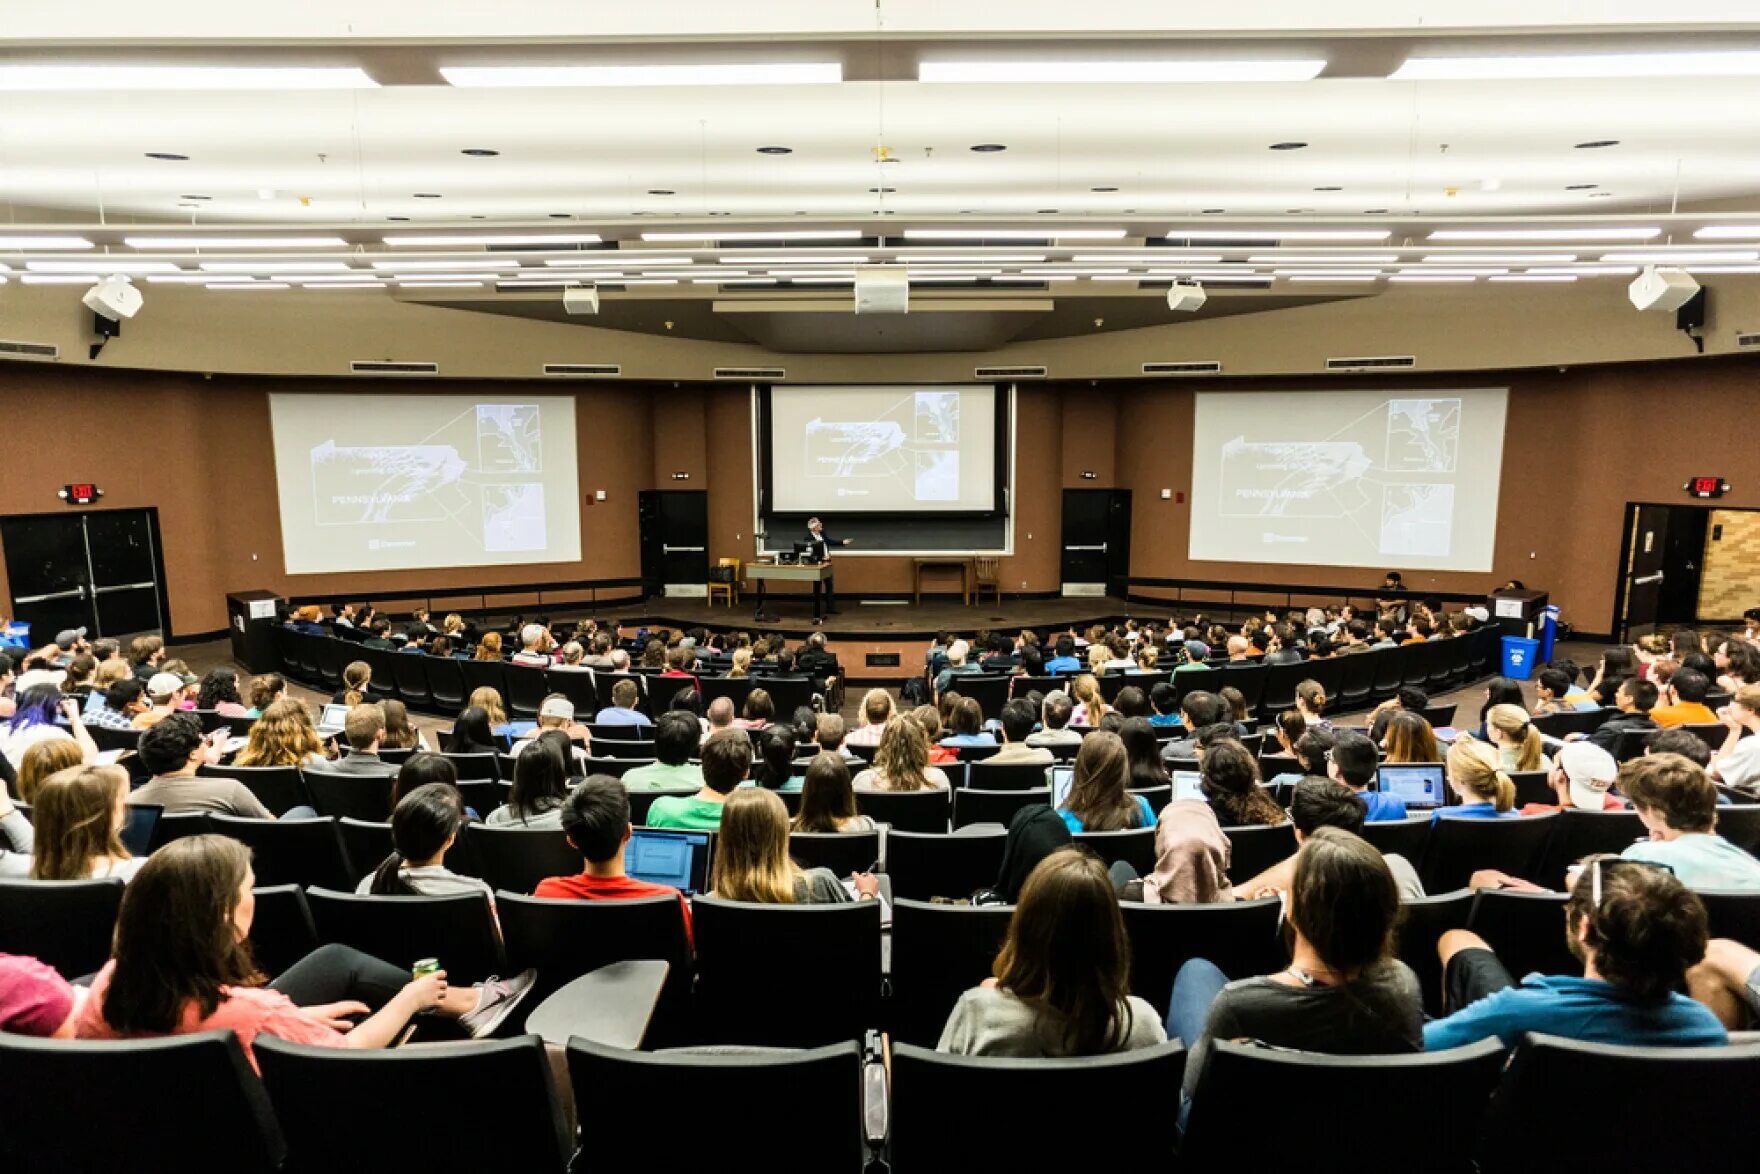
36	678
164	684
1591	771
560	707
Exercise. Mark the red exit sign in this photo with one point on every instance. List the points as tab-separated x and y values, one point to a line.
1707	486
80	493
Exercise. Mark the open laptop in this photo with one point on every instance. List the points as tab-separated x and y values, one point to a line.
1419	784
679	859
140	822
331	720
1062	778
1187	784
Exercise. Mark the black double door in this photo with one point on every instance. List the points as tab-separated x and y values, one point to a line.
1096	541
1665	554
675	541
101	571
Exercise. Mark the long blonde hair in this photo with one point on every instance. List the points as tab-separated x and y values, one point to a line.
489	698
75	816
1513	721
355	679
1476	768
283	736
742	662
1085	690
751	851
42	759
902	760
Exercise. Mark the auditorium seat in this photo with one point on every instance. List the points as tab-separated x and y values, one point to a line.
105	738
786	975
563	940
1526	930
1733	914
66	924
1193	680
1440	715
367	842
909	811
1279	693
516	858
997	1100
1134	846
786	694
292	851
1532	787
1008	776
1254	849
479	674
798	1112
1423	920
1401	837
445	681
615	767
923	865
328	656
578	687
177	825
841	852
938	952
641	801
363	797
1713	735
1459	847
1272	765
384	682
1689	1119
974	806
1250	680
480	765
526	690
308	1084
458	930
1443	1095
185	1103
281	930
1356	682
1577	833
1630	744
1415	664
276	787
621	748
975	754
211	721
1389	672
1241	937
1112	684
608	682
411	680
1576	721
1156	797
1739	823
989	691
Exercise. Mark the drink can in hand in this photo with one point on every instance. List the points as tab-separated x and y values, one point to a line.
424	966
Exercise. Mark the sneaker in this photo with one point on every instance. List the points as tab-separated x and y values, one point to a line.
496	1000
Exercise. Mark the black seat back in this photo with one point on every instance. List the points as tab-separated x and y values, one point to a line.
1008	776
566	939
276	787
1577	833
481	673
1400	837
735	689
1576	721
281	931
411	679
1526	930
971	805
1422	922
1459	847
459	930
923	865
939	952
66	924
841	852
1255	848
1280	689
787	695
1733	914
306	1084
910	811
1134	846
516	859
479	765
1241	937
350	796
145	1087
445	680
293	851
786	975
526	690
990	692
1739	823
1356	681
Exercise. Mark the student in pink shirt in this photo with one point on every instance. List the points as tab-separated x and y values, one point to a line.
182	963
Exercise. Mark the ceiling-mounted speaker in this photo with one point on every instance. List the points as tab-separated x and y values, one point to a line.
114	297
1186	297
882	289
581	300
1661	289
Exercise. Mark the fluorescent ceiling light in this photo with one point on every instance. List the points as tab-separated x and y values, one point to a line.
801	280
427	284
733	281
822	234
1722	268
950	278
648	281
341	285
1328	273
1014	234
972	258
745	73
1429	277
448	265
811	272
449	240
1018	280
1039	72
179	278
235	242
102	266
1591	270
1282	234
1156	257
277	266
24	243
1501	258
59	279
1070	273
1349	279
620	259
1682	258
1446	272
1324	258
785	259
1583	233
247	285
182	77
1536	277
1732	232
1117	277
1723	63
402	278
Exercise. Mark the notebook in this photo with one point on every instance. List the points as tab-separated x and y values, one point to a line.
1419	784
679	859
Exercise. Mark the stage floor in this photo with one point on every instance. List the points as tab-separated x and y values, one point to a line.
876	621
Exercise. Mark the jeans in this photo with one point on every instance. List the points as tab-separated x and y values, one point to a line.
1472	975
1195	987
300	812
333	973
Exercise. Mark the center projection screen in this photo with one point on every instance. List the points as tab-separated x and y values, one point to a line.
1402	480
402	482
900	449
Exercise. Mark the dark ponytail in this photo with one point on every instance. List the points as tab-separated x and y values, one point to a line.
425	819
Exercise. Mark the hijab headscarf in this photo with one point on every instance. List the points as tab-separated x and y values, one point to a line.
1033	834
1191	857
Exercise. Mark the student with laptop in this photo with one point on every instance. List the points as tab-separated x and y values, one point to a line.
726	758
1476	775
1354	762
596	821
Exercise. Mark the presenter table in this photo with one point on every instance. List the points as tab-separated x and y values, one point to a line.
815	573
944	562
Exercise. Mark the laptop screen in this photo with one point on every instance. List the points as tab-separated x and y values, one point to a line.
679	859
333	717
138	828
1419	784
1186	785
1062	777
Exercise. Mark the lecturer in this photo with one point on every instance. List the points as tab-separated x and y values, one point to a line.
819	551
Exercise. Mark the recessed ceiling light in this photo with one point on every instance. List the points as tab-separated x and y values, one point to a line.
450	240
235	242
1047	212
1500	258
754	73
1599	195
1580	187
480	152
1212	211
168	156
1133	72
91	78
397	218
989	148
661	192
425	195
277	267
1374	211
1290	145
1329	189
1103	189
561	215
455	266
195	197
1543	234
775	150
881	191
1727	63
1596	144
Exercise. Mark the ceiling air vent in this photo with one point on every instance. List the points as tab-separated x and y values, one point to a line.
1744	341
761	373
375	367
1371	363
1202	367
1008	372
29	350
589	369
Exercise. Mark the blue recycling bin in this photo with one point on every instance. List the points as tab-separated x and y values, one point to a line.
1519	655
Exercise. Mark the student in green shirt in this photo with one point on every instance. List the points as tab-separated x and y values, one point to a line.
727	756
676	735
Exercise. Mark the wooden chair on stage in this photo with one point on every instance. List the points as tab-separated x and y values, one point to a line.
724	579
986	572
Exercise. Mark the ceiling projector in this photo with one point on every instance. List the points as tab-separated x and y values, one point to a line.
1187	297
113	297
1661	289
580	300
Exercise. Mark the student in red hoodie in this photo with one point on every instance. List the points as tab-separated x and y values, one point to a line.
596	821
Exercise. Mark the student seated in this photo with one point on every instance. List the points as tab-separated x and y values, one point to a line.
283	736
752	862
540	785
774	765
1678	803
596	821
1164	702
1478	780
1582	776
1354	763
1637	930
1318	803
1054	717
1062	978
1683	701
79	815
182	964
556	712
622	711
173	750
1511	731
967	726
676	737
1230	782
1197	710
1408	737
902	762
877	709
41	761
758	711
1408	699
1018	718
1343	993
1098	800
473	733
1634	698
828	801
365	730
726	757
424	825
1737	761
1551	691
36	1000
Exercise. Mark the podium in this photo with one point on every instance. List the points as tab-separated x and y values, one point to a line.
251	617
1517	613
814	573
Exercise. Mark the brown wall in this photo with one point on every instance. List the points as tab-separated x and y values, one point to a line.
1579	444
